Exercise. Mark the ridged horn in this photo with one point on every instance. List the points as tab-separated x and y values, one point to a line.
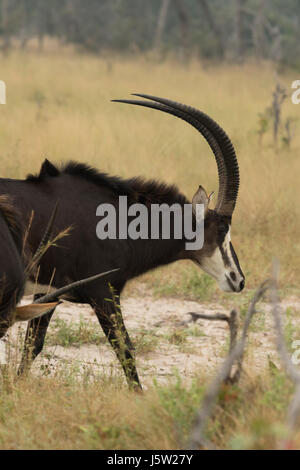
219	142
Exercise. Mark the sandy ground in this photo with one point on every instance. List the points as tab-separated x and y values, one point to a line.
168	343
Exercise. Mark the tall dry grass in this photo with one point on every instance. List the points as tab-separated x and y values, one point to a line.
58	106
67	413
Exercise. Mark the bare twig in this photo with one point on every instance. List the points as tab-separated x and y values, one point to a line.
232	320
293	372
279	95
204	316
197	439
233	323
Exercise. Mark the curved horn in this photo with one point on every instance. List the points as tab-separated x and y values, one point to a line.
218	141
53	295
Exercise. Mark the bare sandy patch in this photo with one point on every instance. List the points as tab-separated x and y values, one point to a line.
168	343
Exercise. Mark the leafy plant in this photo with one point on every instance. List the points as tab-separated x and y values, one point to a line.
74	333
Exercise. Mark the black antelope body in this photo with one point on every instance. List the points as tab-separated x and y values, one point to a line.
79	189
13	270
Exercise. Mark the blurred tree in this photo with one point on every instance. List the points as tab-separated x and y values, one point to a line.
240	29
184	28
258	32
214	27
207	28
161	22
5	30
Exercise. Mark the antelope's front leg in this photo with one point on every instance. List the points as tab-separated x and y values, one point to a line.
112	323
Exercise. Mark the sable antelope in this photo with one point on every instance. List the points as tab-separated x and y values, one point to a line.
13	273
80	189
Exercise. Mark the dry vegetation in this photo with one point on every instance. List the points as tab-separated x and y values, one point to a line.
58	107
64	413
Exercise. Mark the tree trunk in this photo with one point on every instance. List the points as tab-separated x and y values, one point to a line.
239	29
184	29
214	27
161	22
258	35
4	24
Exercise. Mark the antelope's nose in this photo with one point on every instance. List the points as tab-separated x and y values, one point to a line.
242	284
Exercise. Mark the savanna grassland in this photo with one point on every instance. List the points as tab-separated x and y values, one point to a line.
58	106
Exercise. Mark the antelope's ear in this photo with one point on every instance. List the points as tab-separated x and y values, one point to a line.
201	197
28	312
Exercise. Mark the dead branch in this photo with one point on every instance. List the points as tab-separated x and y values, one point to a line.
294	374
218	316
197	439
279	95
232	320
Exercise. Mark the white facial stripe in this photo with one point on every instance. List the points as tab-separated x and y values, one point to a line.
227	250
226	243
214	264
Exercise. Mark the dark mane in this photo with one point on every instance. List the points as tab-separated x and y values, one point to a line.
137	189
116	184
148	191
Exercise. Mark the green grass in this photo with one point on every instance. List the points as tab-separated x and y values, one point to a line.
69	333
145	341
178	337
194	285
195	331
